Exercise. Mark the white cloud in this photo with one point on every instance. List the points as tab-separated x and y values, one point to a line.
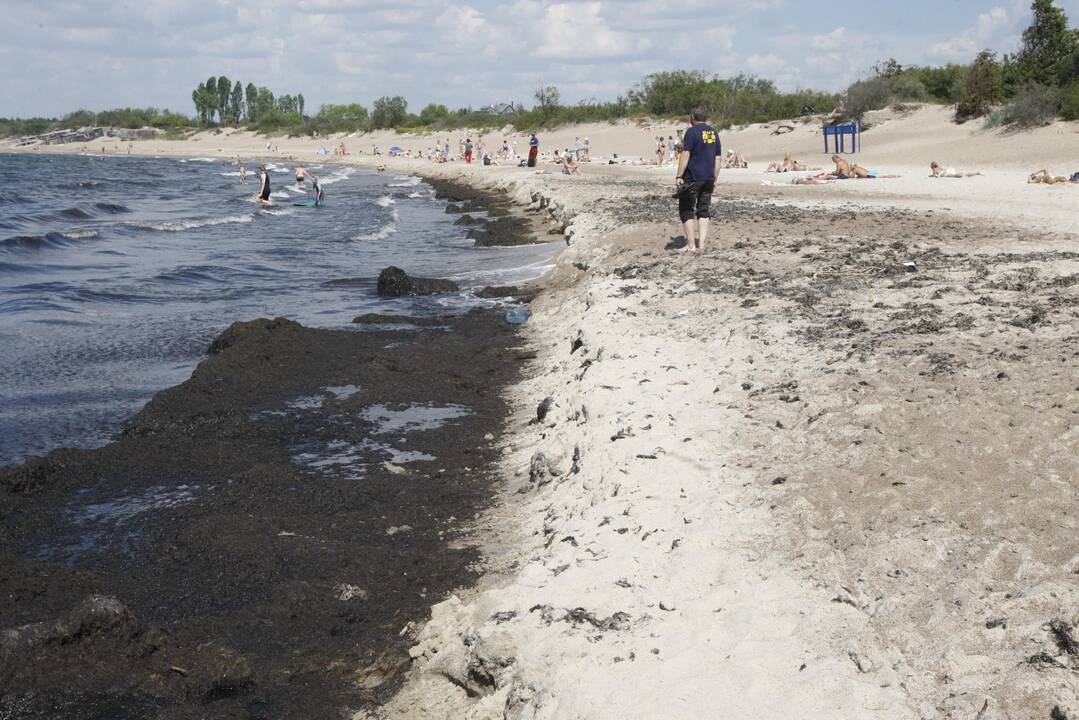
991	30
834	40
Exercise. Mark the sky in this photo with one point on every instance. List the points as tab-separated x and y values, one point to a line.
57	56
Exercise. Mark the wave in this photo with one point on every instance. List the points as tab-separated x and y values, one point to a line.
409	181
194	274
209	160
112	208
52	239
75	214
343	174
181	225
278	211
385	201
383	232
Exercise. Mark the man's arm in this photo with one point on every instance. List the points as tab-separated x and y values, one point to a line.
683	160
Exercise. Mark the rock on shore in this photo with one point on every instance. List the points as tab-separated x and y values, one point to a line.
395	282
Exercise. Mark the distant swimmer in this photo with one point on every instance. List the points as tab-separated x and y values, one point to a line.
263	197
300	173
380	168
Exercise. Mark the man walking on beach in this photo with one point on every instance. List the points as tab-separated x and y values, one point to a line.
698	169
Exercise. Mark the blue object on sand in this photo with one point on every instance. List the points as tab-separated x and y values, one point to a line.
517	315
839	133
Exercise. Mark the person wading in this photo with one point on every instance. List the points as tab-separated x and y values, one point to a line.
698	169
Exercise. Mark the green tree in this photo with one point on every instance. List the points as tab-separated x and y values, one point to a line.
547	98
388	112
236	103
264	103
1046	44
209	90
224	90
251	97
299	103
982	87
340	118
433	113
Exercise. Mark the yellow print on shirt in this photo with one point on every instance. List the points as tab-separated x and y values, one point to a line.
708	137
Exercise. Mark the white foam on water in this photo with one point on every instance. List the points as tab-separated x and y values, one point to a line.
385	201
407	181
201	160
343	392
126	507
383	232
351	460
412	418
81	234
278	211
306	402
191	224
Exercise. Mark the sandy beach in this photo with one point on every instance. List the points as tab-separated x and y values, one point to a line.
825	470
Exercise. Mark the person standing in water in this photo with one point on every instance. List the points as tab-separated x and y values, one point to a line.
243	174
316	187
300	173
533	150
263	198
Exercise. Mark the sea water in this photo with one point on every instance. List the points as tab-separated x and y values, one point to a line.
116	274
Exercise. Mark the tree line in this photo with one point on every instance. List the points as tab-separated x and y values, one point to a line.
1034	85
219	101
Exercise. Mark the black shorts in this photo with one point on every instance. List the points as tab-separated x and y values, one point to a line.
695	200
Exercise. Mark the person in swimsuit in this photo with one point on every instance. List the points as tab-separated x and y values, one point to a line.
938	171
316	186
243	175
263	197
300	173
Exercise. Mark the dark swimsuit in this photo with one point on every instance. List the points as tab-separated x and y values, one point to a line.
264	194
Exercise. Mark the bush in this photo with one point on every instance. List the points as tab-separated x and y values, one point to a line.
994	120
909	89
866	95
1069	102
1033	106
982	88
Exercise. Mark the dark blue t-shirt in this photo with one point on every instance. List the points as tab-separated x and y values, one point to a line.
702	143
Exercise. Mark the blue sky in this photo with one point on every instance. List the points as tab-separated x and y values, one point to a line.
61	55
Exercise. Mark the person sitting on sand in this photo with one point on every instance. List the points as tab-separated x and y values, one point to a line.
789	164
570	166
734	159
937	171
1042	177
263	197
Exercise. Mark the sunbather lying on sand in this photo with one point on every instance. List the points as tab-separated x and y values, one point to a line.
942	172
818	179
1042	177
789	164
